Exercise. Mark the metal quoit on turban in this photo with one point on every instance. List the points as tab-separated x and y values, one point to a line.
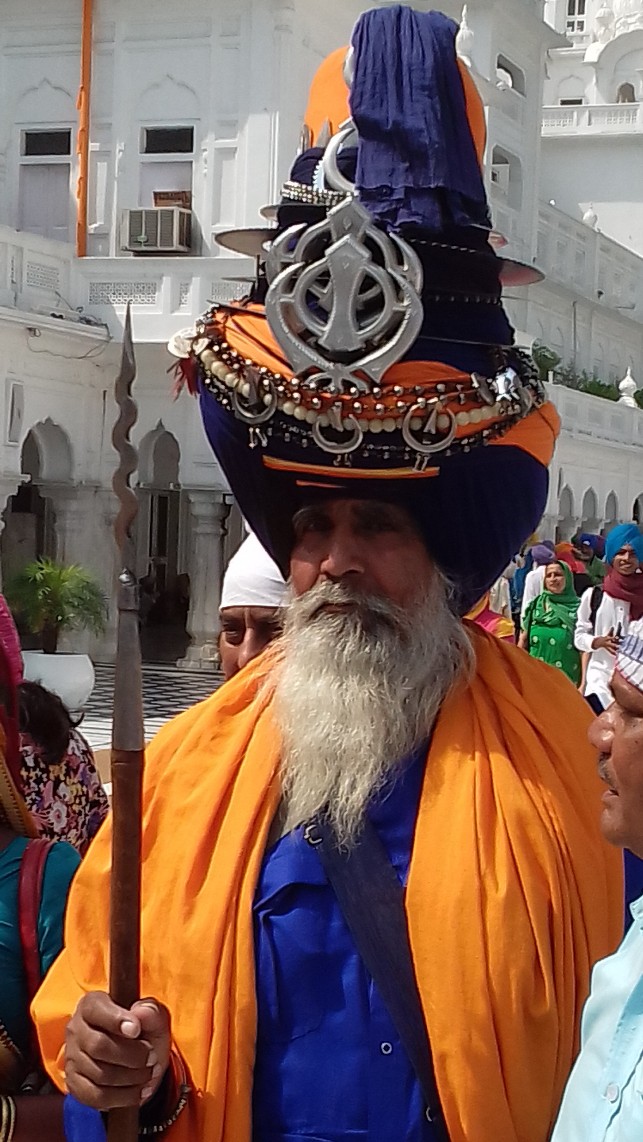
128	742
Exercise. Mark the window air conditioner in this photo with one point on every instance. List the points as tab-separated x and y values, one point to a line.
162	230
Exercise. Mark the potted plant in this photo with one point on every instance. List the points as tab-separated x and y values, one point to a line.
47	598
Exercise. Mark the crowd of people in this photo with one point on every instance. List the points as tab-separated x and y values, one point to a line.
572	606
377	888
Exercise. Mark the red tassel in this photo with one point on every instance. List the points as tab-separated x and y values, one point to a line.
186	372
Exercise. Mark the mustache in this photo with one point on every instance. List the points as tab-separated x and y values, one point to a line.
317	603
603	771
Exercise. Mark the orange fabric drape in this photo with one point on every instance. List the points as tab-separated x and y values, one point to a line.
328	100
511	897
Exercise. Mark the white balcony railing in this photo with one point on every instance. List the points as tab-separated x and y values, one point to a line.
588	262
166	293
605	119
584	415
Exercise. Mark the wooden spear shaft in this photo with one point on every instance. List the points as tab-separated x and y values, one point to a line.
128	741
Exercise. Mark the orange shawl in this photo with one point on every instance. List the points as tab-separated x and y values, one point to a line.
511	897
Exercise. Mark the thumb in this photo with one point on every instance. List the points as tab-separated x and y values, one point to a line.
153	1017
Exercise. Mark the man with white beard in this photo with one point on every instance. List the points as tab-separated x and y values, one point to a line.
370	651
373	879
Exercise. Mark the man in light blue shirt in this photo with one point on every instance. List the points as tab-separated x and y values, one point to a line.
603	1101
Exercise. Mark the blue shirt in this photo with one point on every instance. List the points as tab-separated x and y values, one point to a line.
329	1065
603	1100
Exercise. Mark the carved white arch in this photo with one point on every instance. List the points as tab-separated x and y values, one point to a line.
169	100
612	59
46	102
572	87
566	503
611	509
159	459
589	511
566	524
55	455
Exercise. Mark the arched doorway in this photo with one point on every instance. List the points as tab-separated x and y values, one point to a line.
589	512
637	509
611	513
165	586
30	521
566	519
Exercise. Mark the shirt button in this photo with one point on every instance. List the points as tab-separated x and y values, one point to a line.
386	1048
612	1092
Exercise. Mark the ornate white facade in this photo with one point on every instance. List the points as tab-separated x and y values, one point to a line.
203	102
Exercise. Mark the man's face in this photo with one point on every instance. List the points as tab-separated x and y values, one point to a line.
625	561
245	632
618	737
369	547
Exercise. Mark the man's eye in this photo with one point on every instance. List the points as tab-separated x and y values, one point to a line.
233	637
270	630
310	525
377	525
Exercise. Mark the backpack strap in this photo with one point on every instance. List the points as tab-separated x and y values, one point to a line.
32	871
595	602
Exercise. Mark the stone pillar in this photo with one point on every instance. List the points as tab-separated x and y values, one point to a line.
208	514
547	527
73	508
84	535
8	487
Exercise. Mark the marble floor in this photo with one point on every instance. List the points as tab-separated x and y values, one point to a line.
166	692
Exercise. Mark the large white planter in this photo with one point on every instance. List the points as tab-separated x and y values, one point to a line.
70	676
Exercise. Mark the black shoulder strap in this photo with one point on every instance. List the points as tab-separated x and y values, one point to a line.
597	597
372	900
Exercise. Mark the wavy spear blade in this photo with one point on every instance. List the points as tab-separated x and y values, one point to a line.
128	413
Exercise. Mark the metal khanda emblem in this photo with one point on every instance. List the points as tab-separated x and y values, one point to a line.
344	299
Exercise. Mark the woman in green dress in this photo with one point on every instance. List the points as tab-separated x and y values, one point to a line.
549	622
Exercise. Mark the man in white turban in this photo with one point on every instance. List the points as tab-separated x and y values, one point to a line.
252	605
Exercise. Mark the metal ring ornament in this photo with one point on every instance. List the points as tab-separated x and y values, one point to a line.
333	177
338	448
253	418
417	445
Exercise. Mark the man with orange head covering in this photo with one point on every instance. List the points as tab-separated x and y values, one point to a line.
373	882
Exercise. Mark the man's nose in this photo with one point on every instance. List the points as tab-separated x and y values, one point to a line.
251	646
343	555
601	731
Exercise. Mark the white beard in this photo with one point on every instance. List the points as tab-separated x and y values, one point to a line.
355	692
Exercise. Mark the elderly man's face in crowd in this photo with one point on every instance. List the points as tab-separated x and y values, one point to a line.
618	737
245	632
371	548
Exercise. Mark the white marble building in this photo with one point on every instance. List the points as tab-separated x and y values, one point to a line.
203	103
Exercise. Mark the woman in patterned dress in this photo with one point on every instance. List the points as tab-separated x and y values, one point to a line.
62	787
